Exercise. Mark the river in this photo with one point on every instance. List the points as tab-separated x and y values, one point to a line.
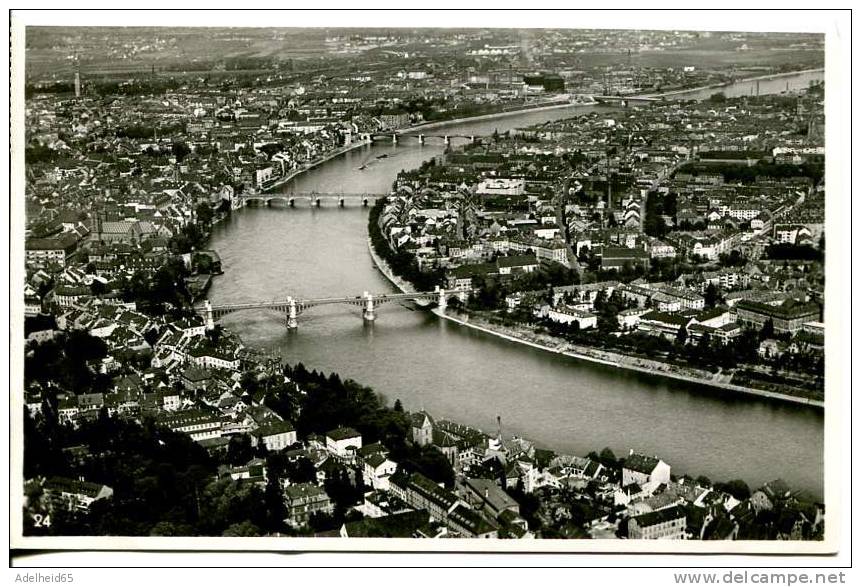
471	377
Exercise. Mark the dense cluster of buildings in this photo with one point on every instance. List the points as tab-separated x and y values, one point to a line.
685	213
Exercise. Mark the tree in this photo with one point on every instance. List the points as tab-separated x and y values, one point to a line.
241	530
179	150
681	336
736	488
271	149
607	458
399	407
204	213
98	288
711	295
239	450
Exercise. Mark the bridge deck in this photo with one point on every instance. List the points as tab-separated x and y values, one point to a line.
377	298
346	196
309	302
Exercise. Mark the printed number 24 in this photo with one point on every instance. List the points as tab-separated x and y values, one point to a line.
41	521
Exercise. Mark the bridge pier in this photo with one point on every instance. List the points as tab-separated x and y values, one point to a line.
341	202
368	312
471	138
447	140
421	139
365	202
316	201
210	319
292	202
441	301
394	138
292	321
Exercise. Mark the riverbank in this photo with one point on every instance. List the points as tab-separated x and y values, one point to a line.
608	358
729	83
317	162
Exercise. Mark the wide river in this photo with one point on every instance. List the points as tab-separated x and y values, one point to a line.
471	377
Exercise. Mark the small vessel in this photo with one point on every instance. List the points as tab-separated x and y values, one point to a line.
383	156
362	168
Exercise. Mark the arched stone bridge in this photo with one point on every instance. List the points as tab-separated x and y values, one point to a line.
291	307
315	199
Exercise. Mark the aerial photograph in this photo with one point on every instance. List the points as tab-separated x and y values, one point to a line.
423	283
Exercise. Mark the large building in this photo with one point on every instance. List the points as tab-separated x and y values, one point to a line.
74	494
788	317
58	250
304	500
665	524
617	258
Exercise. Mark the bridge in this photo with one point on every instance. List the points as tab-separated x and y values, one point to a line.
397	135
291	307
625	100
314	199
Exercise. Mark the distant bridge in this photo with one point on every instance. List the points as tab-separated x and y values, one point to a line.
625	100
291	307
315	199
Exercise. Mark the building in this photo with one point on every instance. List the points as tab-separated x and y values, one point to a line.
502	186
629	319
73	494
343	442
303	500
642	469
488	496
570	315
198	424
516	264
665	524
275	436
788	317
657	323
422	493
471	524
421	426
618	258
40	252
377	470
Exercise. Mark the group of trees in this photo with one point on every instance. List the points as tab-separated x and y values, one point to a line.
65	363
39	153
317	403
658	205
791	252
160	292
491	290
401	262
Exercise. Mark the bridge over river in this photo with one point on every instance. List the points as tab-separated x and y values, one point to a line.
314	199
291	307
404	133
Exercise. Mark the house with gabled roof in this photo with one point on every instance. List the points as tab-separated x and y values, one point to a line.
643	469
